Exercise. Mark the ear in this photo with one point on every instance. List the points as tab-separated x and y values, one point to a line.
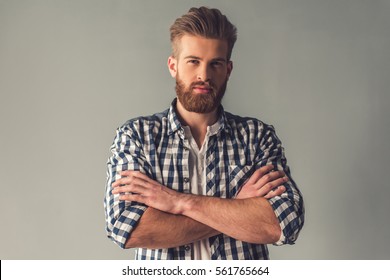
172	66
229	68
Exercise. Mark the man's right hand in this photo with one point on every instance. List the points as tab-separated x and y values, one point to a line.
264	183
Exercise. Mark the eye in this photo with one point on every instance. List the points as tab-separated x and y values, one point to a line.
217	64
193	61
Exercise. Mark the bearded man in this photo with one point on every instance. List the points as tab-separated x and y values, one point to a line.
196	182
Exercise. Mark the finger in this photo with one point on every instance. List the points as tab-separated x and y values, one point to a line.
130	173
269	177
129	177
264	190
133	197
120	182
275	192
260	173
136	174
144	177
136	186
127	172
123	181
117	183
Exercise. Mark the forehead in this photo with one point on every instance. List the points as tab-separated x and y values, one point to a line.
204	48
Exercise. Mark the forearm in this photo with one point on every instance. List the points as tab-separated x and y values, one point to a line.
157	229
251	220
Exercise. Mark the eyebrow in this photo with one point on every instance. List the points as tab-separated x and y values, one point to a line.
198	58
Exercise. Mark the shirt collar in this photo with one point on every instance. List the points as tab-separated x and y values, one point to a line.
174	124
173	120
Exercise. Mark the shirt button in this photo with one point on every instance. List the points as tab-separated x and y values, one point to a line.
187	248
186	180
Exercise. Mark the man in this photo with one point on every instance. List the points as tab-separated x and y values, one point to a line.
196	182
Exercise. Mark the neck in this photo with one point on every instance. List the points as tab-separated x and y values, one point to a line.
198	122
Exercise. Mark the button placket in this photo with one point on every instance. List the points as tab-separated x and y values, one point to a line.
185	166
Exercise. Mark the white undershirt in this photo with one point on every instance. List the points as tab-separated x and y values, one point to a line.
197	163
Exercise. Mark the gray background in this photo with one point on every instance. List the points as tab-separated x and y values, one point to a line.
72	71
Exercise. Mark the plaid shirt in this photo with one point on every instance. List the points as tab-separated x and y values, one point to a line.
155	146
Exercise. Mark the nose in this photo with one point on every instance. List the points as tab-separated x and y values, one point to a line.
203	74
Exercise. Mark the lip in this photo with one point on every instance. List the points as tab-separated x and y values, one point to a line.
200	89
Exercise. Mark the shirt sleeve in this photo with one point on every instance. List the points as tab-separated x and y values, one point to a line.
288	207
122	216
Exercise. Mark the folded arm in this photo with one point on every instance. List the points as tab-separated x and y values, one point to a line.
132	224
157	229
188	218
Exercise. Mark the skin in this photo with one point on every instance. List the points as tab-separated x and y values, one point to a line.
188	217
200	59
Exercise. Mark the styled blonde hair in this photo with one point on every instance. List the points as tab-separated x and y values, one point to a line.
205	22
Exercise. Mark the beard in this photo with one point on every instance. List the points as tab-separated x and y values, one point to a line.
199	103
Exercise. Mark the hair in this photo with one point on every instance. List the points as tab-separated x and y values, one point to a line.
205	22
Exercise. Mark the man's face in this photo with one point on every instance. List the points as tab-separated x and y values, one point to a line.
201	71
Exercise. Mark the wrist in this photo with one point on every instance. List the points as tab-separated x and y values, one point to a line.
184	203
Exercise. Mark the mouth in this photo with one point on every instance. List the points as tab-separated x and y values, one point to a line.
201	89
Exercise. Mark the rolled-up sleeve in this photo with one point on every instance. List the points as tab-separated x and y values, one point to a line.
289	206
122	216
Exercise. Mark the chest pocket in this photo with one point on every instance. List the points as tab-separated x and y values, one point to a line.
238	174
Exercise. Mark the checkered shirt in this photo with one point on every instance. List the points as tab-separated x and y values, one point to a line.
155	146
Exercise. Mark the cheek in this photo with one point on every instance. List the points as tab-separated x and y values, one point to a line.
222	77
186	75
186	72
